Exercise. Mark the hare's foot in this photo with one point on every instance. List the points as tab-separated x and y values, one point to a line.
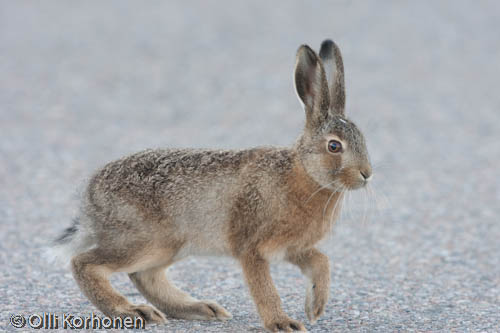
285	324
156	288
265	295
146	312
316	299
201	310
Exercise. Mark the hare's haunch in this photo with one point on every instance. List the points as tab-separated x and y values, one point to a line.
146	211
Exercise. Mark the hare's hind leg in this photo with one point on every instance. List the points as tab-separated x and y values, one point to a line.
156	288
91	270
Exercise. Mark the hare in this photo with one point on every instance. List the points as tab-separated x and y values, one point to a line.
146	211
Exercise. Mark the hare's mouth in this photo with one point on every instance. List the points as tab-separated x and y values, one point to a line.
356	180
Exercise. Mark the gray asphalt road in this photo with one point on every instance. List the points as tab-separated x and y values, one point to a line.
82	83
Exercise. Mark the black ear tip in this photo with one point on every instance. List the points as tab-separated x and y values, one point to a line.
327	43
327	48
305	51
305	48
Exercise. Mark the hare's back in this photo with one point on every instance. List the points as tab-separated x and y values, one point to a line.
165	172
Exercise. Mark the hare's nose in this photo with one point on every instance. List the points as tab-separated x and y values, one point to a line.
366	174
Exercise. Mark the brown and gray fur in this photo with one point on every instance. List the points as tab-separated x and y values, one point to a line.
146	211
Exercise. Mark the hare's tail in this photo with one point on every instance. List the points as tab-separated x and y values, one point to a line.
74	240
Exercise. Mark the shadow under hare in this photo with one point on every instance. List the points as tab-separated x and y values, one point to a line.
146	211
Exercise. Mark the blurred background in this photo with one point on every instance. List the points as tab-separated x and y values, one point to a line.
83	83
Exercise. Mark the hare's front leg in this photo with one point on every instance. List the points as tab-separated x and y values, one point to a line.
265	295
316	267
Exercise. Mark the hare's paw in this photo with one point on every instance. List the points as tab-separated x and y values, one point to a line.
146	312
284	324
205	310
316	299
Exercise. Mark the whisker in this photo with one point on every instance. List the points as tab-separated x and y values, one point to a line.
348	206
325	186
371	201
381	200
365	206
341	215
327	202
341	203
340	199
382	166
356	207
319	189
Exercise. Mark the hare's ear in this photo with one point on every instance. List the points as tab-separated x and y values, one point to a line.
334	69
311	86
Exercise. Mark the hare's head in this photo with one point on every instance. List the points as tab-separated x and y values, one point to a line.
332	149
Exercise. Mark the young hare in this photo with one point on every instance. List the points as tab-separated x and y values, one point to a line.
144	212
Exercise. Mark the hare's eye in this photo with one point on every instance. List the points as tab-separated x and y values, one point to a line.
334	146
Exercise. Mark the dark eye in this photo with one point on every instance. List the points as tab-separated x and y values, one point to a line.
334	146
